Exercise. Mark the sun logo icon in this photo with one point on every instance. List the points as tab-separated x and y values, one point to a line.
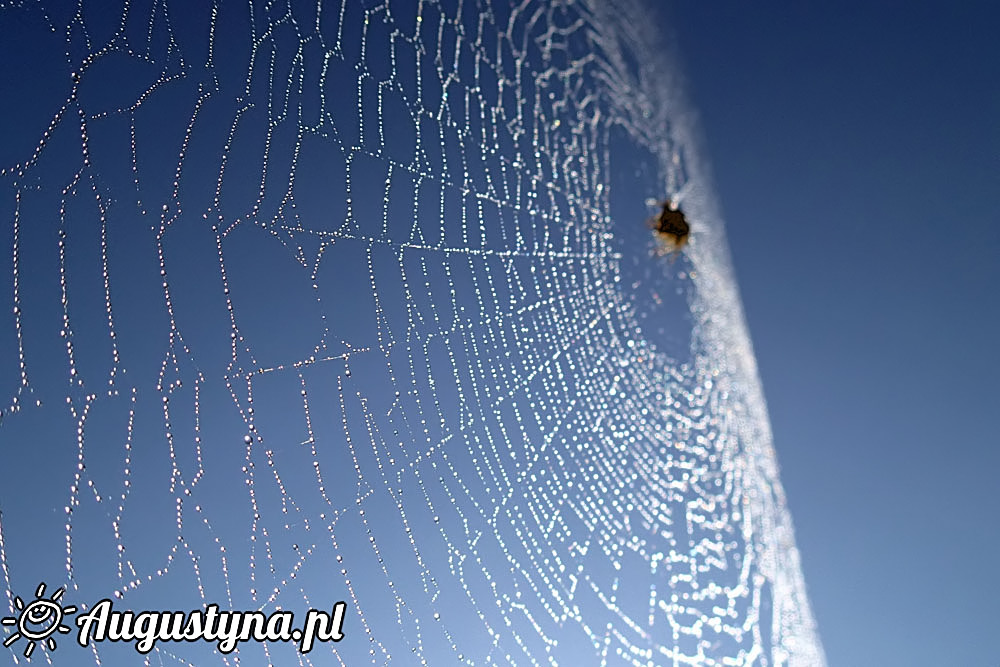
38	620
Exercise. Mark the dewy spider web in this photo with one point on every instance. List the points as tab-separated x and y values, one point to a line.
307	302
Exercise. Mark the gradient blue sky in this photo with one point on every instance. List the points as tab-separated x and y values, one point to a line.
856	151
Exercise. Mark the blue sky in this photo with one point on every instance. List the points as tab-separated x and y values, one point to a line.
856	153
374	331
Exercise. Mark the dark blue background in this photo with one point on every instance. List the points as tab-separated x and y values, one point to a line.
856	152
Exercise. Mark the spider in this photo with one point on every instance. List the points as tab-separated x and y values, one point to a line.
671	227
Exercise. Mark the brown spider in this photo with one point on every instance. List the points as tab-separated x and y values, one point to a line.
671	227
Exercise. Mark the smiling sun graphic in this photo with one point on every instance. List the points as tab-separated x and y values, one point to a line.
38	620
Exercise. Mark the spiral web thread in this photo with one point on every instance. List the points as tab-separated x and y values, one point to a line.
353	301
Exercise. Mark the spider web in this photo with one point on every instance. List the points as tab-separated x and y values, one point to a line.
319	301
